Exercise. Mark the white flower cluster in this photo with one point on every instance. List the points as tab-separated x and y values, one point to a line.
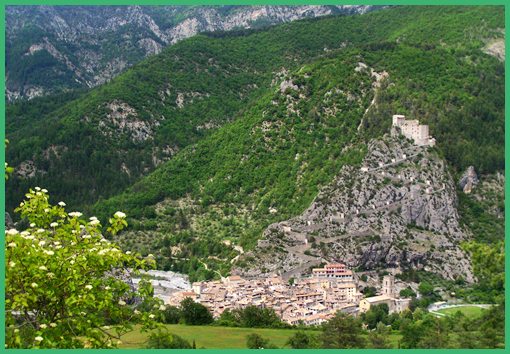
26	235
107	250
94	221
119	215
75	214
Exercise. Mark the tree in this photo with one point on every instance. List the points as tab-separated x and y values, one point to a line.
492	324
378	338
256	341
411	333
194	313
67	286
369	291
489	267
228	318
435	333
342	332
407	292
253	316
171	315
376	314
164	340
182	220
302	340
426	289
394	320
418	314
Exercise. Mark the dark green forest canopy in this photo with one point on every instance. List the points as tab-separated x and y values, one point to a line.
235	71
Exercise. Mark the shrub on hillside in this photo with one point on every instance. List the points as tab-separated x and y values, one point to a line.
163	340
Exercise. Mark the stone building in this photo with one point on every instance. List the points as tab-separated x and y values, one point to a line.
388	287
412	129
333	271
387	297
367	303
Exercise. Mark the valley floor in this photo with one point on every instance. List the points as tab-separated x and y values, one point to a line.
216	337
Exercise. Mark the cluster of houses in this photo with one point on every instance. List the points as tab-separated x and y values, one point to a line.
309	301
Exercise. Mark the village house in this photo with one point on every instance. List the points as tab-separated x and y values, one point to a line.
336	271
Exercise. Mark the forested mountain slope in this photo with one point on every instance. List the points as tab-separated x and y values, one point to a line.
104	140
269	164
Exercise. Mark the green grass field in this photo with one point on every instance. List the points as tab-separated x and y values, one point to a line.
212	337
469	311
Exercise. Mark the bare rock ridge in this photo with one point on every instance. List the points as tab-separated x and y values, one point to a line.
89	45
396	211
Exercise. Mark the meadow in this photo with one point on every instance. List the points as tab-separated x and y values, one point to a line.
217	337
468	311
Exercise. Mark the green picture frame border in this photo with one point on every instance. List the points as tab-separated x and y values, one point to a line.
4	3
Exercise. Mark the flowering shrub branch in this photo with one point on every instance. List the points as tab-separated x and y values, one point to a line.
66	285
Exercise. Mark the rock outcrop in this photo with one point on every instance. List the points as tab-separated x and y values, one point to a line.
468	180
398	210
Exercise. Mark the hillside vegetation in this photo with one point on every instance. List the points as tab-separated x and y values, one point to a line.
251	124
269	164
100	143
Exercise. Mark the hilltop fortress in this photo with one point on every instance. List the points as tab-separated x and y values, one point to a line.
412	129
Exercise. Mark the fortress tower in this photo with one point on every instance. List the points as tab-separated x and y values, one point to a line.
388	286
398	120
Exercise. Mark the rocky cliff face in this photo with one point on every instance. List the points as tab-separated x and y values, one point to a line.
398	210
468	180
50	48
